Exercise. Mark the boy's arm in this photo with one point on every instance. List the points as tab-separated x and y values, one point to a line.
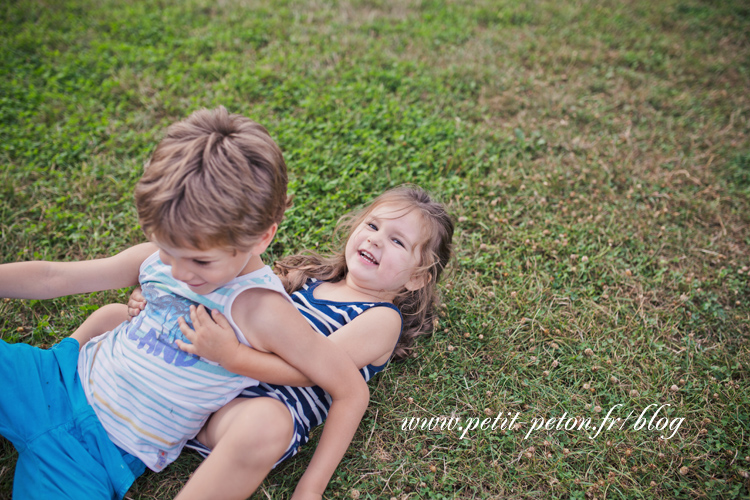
272	324
46	280
368	339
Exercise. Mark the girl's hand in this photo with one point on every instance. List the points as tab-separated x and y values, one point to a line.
213	337
136	302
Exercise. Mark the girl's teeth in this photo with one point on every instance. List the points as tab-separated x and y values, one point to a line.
368	257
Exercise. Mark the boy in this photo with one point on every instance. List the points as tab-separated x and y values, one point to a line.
86	425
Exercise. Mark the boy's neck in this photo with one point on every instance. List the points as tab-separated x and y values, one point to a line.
255	263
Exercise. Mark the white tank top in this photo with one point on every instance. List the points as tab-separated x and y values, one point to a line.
150	396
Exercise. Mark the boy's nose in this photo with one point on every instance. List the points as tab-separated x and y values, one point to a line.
179	272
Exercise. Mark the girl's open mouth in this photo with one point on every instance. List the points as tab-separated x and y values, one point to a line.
367	256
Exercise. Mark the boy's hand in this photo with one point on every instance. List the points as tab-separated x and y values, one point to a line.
136	302
213	337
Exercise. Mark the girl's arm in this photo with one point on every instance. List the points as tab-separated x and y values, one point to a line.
368	339
46	280
213	338
272	324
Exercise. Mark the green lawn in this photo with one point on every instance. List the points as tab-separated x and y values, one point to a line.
595	155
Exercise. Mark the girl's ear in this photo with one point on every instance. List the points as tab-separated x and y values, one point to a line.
418	281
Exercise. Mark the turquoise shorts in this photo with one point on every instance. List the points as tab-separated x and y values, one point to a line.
63	450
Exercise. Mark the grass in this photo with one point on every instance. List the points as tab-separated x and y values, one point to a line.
595	155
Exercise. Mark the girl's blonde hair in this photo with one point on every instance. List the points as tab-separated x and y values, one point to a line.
417	307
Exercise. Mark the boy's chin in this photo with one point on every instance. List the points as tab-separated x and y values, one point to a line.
201	289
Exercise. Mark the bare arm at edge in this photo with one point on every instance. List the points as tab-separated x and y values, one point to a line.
47	280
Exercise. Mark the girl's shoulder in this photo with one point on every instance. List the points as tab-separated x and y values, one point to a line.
315	292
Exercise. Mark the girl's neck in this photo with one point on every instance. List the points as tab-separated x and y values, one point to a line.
343	291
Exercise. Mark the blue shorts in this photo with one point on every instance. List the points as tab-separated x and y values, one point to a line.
63	450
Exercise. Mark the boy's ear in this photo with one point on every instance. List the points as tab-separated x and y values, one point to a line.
418	281
265	240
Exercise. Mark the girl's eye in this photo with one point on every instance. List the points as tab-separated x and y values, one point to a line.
202	262
398	242
372	226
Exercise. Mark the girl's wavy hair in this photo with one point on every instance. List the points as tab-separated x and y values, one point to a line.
418	308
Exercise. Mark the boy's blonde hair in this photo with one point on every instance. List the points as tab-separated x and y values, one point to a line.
217	180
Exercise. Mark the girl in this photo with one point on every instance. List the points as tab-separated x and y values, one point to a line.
372	298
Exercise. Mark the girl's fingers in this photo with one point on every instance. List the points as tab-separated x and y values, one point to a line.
220	319
136	300
203	314
185	329
188	348
195	318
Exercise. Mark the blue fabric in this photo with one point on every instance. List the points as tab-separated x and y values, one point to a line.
63	450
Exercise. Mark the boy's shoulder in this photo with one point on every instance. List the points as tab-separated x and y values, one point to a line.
263	277
261	292
260	311
255	285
